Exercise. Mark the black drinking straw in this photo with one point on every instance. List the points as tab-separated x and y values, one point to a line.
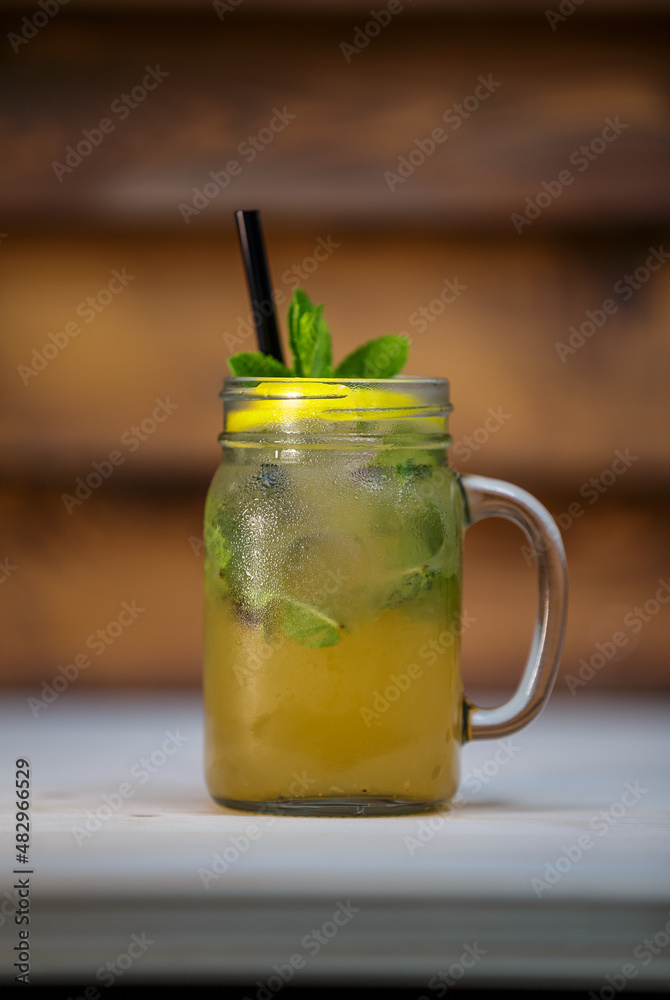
258	280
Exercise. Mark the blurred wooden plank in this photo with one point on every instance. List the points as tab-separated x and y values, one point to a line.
167	334
72	573
352	122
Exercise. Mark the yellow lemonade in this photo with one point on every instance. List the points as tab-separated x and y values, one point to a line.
332	606
376	716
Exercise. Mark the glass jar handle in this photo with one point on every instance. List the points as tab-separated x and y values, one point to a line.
494	498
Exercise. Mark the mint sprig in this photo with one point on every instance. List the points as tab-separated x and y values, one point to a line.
311	346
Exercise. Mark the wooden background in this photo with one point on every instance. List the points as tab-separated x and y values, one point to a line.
168	333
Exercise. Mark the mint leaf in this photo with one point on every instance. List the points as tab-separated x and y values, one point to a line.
439	586
217	546
309	338
410	471
217	557
307	626
411	584
256	364
379	358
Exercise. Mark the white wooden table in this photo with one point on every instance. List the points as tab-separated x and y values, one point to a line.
142	897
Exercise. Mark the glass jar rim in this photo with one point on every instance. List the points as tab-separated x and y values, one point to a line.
335	406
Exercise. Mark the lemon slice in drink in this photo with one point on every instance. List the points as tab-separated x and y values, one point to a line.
282	401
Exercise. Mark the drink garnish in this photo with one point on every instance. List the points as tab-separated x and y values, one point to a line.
307	626
311	346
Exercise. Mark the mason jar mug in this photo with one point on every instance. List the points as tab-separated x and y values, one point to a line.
334	533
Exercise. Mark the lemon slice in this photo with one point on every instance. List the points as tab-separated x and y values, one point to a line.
307	400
